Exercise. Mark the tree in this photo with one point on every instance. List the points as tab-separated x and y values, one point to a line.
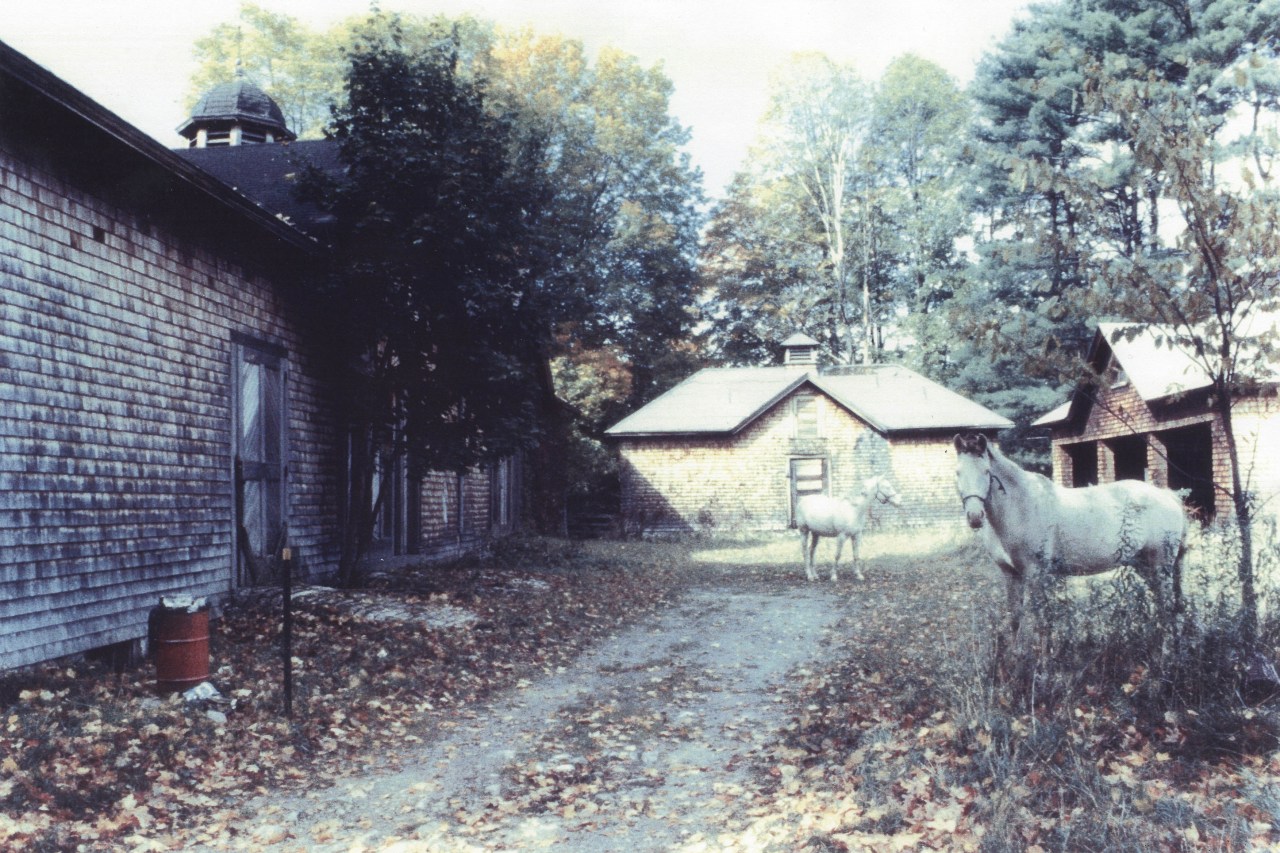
818	113
434	309
622	212
625	207
1186	130
846	217
789	247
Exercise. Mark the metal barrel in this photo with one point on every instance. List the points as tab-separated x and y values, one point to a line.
181	649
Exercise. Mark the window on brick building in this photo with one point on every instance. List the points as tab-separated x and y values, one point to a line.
805	410
1084	463
1130	453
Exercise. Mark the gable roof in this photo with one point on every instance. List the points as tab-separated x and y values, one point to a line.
725	400
266	175
1156	367
70	124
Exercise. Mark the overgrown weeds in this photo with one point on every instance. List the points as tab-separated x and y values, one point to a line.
1100	737
1095	740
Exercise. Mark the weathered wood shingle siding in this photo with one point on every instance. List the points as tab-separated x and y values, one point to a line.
451	528
115	396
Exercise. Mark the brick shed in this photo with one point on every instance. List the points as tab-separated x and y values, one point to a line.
731	449
1149	418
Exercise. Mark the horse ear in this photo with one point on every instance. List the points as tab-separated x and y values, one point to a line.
980	442
959	442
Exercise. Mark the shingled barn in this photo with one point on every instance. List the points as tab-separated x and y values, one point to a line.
732	449
162	418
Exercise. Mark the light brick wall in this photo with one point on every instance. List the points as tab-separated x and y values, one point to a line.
1121	412
742	483
115	414
1257	426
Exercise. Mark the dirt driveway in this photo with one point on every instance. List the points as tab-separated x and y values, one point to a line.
646	742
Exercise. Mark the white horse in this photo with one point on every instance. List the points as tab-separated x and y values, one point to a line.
822	515
1038	528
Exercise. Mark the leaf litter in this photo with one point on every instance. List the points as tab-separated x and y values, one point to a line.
605	695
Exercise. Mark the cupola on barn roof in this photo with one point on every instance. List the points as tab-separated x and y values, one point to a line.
235	113
800	349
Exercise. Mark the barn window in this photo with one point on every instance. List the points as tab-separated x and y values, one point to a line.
1084	463
805	411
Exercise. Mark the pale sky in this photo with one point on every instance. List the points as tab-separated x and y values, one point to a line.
135	56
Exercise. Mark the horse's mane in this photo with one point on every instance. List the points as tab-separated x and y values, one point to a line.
1008	469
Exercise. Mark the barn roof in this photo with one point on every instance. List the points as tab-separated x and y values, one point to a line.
1150	360
267	174
69	123
725	400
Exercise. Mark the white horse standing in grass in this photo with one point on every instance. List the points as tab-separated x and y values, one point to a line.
1039	528
822	515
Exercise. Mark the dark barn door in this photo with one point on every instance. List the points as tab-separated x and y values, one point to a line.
1190	452
259	441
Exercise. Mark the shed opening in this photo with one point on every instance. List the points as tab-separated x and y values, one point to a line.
1190	452
1130	454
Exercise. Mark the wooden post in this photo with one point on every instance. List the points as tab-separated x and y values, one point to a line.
286	566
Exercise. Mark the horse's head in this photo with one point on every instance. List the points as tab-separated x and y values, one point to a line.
973	476
881	489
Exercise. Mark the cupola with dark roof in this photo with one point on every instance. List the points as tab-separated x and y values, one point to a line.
235	113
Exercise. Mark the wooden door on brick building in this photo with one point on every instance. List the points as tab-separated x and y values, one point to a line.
808	477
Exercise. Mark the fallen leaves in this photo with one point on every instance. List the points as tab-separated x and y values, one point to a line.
91	759
888	747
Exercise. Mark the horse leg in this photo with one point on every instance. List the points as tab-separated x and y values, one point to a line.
804	548
836	561
1014	594
811	545
1161	568
854	541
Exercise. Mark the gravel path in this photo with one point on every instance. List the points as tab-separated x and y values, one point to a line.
645	743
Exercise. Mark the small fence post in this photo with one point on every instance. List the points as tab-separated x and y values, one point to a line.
286	566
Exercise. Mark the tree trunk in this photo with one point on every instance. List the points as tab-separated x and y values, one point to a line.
549	484
1244	520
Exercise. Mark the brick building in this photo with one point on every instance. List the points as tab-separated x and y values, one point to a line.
732	449
1149	418
161	411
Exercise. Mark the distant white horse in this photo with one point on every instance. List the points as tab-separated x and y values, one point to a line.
1038	528
822	515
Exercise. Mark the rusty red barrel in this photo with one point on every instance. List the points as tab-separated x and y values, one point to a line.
181	648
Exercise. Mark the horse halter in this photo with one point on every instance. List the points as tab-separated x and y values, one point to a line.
992	480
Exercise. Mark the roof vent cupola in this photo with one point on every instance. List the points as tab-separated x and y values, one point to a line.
235	113
800	350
